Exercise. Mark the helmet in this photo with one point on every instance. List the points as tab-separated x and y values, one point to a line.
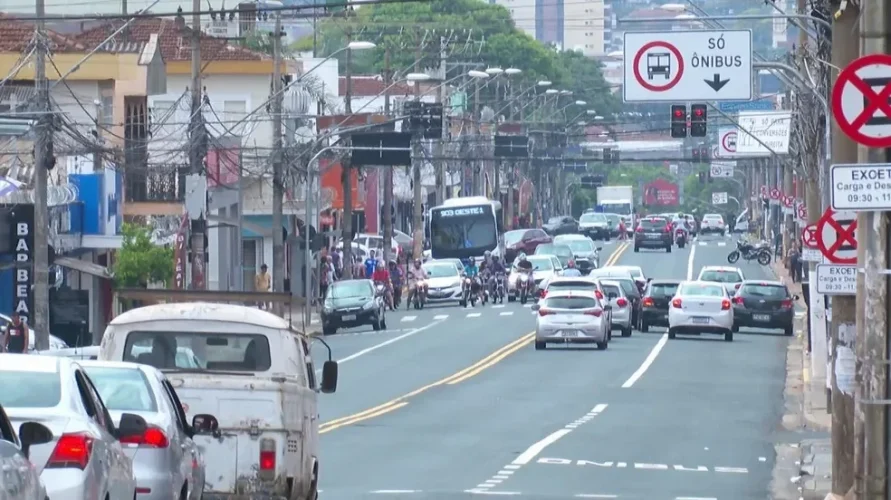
571	264
488	254
417	262
522	257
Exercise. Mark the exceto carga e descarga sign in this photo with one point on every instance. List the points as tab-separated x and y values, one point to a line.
861	187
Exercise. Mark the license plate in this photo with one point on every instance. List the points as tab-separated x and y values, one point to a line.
348	317
761	317
654	235
665	316
700	321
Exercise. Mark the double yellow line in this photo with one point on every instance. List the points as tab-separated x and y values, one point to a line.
456	378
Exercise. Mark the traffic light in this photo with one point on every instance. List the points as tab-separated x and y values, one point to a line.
433	113
701	176
678	121
697	155
698	120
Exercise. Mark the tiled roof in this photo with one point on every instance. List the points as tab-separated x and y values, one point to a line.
372	85
174	42
15	35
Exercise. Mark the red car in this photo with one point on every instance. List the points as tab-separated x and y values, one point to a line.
523	241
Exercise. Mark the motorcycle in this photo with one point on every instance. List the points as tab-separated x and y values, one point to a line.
524	287
467	295
749	252
500	291
417	295
380	292
680	237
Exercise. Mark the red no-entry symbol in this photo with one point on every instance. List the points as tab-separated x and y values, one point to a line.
788	201
856	104
809	236
775	194
837	236
669	65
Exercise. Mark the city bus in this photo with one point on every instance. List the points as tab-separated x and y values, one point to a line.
465	227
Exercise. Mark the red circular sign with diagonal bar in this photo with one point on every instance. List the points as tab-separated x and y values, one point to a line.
837	236
861	112
802	211
775	194
678	66
809	236
788	201
728	142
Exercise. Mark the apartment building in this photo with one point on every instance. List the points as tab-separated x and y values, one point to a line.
567	24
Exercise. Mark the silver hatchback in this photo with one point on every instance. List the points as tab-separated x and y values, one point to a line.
571	317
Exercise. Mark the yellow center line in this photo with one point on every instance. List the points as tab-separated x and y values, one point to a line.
455	378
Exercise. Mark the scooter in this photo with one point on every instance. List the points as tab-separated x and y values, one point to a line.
380	291
524	287
467	295
500	291
417	295
680	237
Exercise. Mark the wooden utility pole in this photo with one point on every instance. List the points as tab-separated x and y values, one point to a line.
39	317
278	182
345	172
871	445
842	328
386	212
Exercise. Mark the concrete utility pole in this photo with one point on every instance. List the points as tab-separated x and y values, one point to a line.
387	213
439	163
42	153
788	222
476	172
417	155
346	183
842	328
196	149
278	182
871	445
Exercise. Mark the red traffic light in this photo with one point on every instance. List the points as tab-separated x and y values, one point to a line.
678	113
698	112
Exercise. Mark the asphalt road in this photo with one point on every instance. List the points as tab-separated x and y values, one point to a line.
455	403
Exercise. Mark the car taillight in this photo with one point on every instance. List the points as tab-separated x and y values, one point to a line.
676	303
639	229
739	301
153	437
725	304
621	302
72	450
598	294
648	302
738	285
267	458
545	312
594	312
787	304
544	293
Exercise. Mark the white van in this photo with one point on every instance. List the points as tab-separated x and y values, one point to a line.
251	370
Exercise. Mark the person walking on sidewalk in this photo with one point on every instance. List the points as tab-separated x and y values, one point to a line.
263	283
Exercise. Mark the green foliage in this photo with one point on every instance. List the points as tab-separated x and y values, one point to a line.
140	262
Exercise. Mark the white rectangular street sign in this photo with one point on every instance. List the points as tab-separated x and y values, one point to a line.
722	169
811	254
769	127
833	279
726	147
681	66
719	198
861	187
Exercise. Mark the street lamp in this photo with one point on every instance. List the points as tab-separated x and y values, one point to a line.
581	103
544	83
477	74
360	45
513	71
494	71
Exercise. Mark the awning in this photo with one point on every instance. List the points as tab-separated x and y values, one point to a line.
84	267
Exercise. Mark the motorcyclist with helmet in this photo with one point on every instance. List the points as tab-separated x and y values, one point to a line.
381	276
472	272
490	267
416	273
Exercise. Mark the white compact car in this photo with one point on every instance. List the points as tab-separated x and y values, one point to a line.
701	307
712	223
571	317
730	277
622	307
85	459
20	479
443	282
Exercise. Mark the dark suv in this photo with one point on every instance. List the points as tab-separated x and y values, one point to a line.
656	301
764	304
653	232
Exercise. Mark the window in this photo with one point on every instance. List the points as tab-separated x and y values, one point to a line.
541	263
595	217
176	405
353	288
27	389
581	246
552	249
571	302
441	271
123	389
611	290
102	417
721	276
703	290
106	116
629	287
653	224
766	291
235	352
573	285
511	238
663	290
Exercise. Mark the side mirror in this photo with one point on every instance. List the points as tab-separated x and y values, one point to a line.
31	433
599	248
535	307
131	425
329	377
649	280
205	424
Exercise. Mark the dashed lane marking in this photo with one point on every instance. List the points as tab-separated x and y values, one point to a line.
722	243
703	243
507	313
394	492
409	318
595	495
474	315
441	316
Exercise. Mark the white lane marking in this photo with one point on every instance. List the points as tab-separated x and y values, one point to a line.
409	318
384	492
539	447
762	459
507	313
441	316
695	498
486	492
647	362
690	263
595	495
722	243
497	306
384	344
703	243
474	315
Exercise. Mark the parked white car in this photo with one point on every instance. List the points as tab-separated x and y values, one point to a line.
20	479
166	461
701	307
85	459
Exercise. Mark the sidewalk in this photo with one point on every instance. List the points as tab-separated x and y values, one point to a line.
805	465
295	315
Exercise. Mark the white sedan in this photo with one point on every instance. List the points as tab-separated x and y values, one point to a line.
571	317
730	277
701	307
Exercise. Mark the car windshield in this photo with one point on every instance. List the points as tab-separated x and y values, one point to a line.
766	291
653	224
580	246
513	237
720	276
572	285
441	271
633	271
700	290
712	217
555	220
570	303
541	263
595	217
552	249
30	389
123	389
235	352
663	290
350	289
612	290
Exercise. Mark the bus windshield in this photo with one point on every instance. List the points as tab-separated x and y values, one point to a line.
461	232
617	208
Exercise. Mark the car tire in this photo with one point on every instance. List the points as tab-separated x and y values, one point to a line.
540	346
668	249
636	248
626	332
735	328
788	331
644	327
728	336
671	333
602	345
329	330
384	322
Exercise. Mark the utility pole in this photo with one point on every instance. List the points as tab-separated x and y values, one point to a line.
871	433
788	214
42	158
842	328
196	152
477	119
278	187
345	170
387	212
417	155
439	163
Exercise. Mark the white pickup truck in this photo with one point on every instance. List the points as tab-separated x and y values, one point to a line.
254	373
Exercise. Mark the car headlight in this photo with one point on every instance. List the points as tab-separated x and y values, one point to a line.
327	307
369	305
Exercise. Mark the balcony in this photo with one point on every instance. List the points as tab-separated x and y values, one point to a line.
156	185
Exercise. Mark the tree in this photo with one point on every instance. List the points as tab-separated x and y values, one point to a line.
139	261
